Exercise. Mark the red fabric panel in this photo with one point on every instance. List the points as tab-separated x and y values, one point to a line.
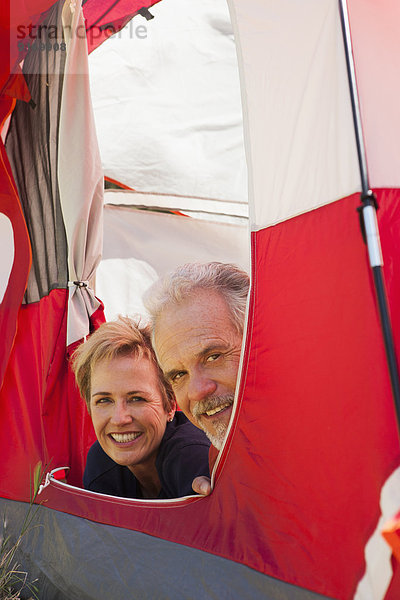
212	457
315	437
16	86
11	208
43	417
22	13
329	433
101	13
98	13
4	43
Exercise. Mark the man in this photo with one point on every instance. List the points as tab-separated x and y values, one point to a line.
198	316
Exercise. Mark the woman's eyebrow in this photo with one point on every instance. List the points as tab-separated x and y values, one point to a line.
131	392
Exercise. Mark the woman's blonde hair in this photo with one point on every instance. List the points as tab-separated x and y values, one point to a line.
123	337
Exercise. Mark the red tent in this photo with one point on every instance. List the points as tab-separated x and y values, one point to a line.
309	472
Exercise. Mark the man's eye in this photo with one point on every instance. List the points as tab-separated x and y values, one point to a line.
175	378
213	357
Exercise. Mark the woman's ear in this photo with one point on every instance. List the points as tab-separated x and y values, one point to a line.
171	412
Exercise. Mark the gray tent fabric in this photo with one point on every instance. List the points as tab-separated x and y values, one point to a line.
77	559
32	148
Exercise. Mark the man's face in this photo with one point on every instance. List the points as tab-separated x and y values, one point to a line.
198	348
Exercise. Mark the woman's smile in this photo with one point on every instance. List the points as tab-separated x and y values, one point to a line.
127	410
125	438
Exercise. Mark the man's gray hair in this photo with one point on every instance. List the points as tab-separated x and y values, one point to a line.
227	279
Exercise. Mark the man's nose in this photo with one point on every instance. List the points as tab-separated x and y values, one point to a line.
121	414
200	386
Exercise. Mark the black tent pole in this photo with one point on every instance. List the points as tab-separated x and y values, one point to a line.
368	217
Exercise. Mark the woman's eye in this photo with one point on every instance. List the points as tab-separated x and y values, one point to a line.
136	399
104	400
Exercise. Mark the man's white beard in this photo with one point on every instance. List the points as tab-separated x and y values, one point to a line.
217	438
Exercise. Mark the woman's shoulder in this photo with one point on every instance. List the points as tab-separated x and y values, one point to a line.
97	461
182	456
181	432
105	476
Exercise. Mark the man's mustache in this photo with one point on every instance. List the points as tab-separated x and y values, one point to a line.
210	403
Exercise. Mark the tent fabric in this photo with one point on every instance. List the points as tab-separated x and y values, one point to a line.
300	134
377	86
104	17
185	134
208	206
43	416
137	565
15	281
325	378
137	250
80	179
313	286
101	18
300	177
273	525
15	253
302	482
305	166
36	180
43	413
16	18
62	115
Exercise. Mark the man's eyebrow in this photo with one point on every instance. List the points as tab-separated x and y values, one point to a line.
210	349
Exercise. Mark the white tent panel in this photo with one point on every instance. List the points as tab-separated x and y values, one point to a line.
376	42
294	167
167	106
139	246
121	284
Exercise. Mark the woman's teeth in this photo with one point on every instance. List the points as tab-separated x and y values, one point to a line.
125	437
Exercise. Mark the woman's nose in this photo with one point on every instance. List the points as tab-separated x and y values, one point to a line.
121	414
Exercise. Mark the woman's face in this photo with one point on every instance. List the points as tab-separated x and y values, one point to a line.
127	410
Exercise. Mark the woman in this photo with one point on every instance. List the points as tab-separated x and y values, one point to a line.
144	449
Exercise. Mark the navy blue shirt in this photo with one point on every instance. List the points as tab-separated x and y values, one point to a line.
182	456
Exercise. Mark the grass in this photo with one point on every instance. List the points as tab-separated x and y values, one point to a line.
13	580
